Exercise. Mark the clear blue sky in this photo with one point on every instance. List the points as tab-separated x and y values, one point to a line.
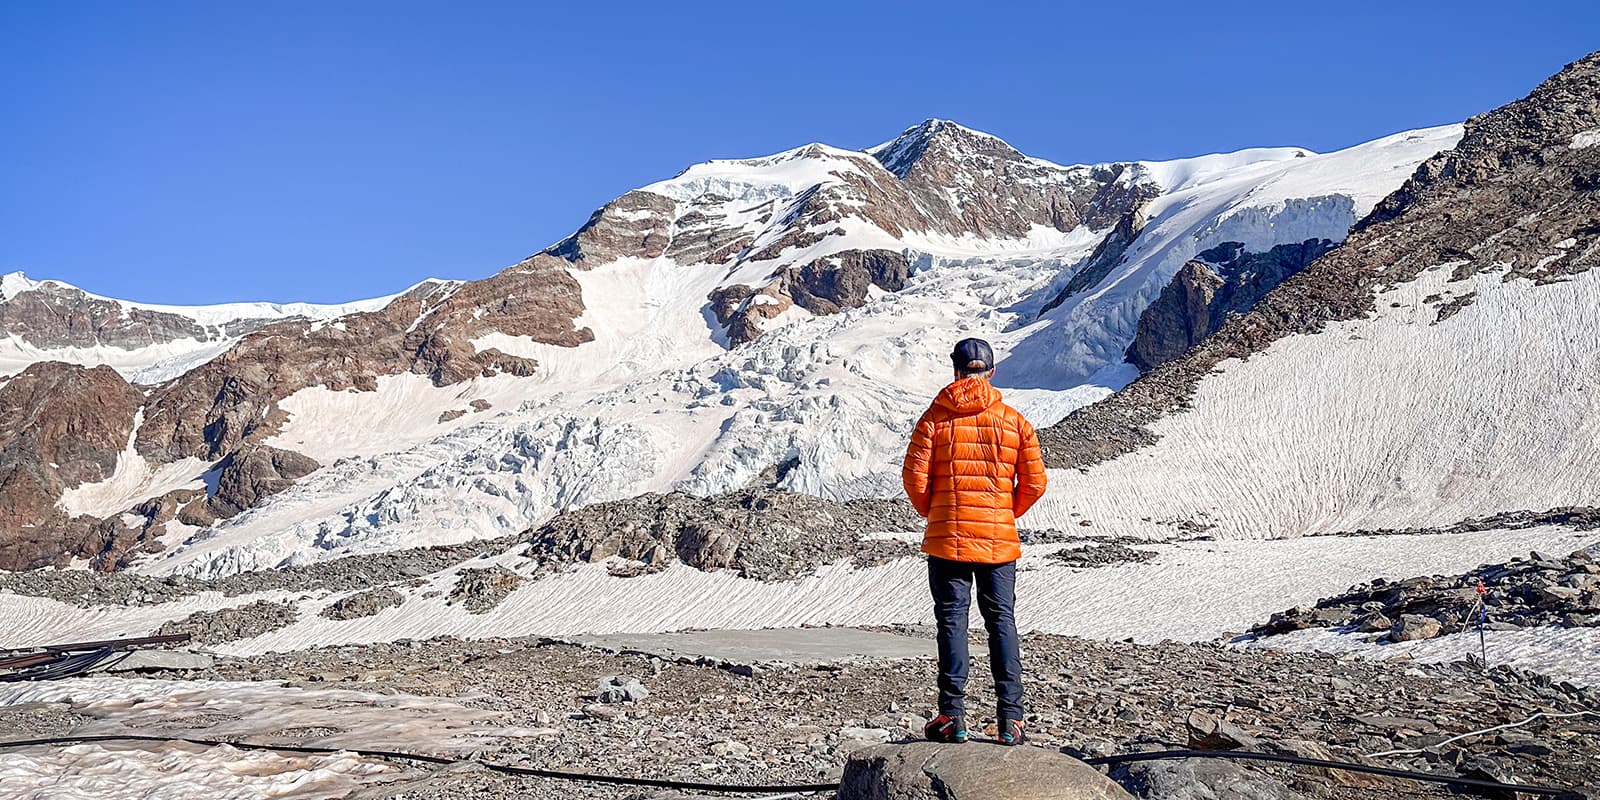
324	151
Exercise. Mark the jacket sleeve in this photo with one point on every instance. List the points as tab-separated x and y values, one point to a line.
916	473
1031	480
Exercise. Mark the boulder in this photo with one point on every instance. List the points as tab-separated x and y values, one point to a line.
1411	627
1200	779
974	771
1210	732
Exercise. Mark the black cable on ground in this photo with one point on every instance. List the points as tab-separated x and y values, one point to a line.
693	786
1243	755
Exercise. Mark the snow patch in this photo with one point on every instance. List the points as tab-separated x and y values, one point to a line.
134	480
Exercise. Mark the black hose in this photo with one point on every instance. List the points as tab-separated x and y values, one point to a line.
64	665
1242	755
692	786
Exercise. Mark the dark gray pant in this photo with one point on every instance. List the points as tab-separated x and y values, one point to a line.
952	583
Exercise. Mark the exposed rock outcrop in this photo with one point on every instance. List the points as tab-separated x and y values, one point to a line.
253	473
936	178
233	398
1217	283
479	590
363	604
762	534
232	624
52	315
61	426
1515	194
635	225
825	286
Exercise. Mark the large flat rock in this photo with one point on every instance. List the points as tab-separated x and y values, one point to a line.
972	771
755	648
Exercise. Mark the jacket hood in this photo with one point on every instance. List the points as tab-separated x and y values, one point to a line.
968	396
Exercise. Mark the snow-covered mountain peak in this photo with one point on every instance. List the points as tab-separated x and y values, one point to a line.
756	180
15	283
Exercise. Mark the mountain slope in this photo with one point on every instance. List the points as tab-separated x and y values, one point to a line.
1440	365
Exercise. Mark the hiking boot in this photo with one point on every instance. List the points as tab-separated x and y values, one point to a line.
947	729
1011	732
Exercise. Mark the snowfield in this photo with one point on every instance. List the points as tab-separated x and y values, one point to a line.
1393	421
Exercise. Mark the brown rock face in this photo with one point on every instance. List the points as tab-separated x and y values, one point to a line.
635	224
825	286
1178	319
1513	193
61	425
970	182
232	399
1222	281
54	315
253	473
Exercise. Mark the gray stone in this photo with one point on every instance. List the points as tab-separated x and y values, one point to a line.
730	749
927	771
1210	732
1411	627
1199	779
619	689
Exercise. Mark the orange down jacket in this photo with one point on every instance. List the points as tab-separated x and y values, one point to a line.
972	468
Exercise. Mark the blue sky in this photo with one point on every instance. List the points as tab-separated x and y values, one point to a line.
207	152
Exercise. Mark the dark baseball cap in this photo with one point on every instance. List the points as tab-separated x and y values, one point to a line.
972	355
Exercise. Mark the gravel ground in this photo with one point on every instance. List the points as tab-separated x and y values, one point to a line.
798	724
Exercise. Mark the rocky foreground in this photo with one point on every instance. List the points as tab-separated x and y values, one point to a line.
640	715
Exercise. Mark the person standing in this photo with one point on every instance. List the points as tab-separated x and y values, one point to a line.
972	468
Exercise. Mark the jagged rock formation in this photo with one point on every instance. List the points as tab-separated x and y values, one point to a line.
825	286
1219	282
1470	206
232	624
362	604
81	419
49	315
936	179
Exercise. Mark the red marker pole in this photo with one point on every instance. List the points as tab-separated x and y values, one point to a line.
1483	617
